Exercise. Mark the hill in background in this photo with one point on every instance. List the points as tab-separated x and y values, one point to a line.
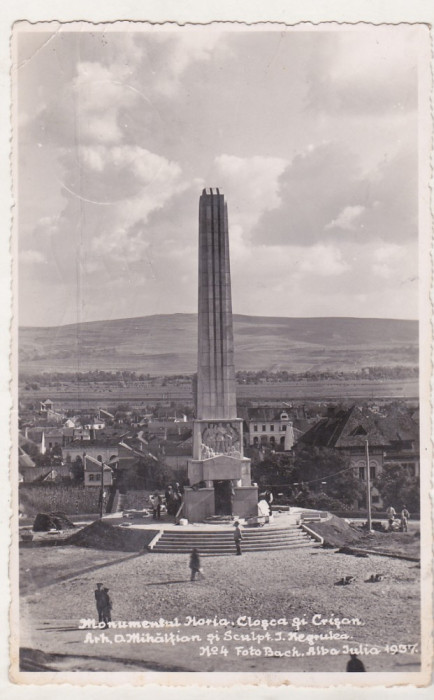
167	344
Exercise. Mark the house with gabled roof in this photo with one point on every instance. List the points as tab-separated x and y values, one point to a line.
45	406
97	473
392	437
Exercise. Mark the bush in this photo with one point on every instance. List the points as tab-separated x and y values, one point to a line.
320	501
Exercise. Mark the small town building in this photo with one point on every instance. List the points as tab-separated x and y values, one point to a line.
270	427
97	473
392	437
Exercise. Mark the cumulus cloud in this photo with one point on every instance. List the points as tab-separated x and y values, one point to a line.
171	54
324	190
388	259
29	257
369	70
346	219
251	185
317	169
323	260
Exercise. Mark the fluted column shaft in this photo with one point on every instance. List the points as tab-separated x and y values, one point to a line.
216	372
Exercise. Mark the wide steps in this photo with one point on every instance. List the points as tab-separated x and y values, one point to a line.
208	551
224	543
211	543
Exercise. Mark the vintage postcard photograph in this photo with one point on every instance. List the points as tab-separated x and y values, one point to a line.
221	354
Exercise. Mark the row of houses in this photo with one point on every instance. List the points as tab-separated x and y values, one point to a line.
392	435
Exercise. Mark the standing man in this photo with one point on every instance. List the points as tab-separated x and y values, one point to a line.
391	512
158	505
99	599
404	519
269	498
238	536
107	607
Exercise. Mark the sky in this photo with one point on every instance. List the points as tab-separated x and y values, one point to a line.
312	135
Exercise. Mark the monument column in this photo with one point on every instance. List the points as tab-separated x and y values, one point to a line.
218	460
216	372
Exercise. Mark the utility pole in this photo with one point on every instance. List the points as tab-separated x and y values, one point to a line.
368	487
101	496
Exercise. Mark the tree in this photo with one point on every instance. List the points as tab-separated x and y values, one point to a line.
275	469
313	465
77	470
397	487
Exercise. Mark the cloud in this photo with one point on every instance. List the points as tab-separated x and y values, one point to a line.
346	219
388	260
324	190
317	168
31	257
251	185
323	260
171	54
365	71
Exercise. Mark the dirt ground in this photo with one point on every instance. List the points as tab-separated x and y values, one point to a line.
336	532
298	589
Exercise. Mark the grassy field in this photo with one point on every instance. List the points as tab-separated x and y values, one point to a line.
73	396
296	587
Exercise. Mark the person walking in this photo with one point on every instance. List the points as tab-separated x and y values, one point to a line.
99	599
107	607
238	536
404	519
195	564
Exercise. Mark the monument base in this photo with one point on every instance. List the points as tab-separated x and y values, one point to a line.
218	468
200	504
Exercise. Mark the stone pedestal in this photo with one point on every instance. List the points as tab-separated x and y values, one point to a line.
245	502
219	468
198	505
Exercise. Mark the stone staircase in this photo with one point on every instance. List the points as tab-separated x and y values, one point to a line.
115	503
214	543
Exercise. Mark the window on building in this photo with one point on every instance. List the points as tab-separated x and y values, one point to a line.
255	440
97	477
255	428
264	428
362	473
372	473
91	477
283	427
272	428
272	440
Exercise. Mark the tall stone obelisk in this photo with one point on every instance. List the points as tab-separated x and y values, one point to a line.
216	372
219	474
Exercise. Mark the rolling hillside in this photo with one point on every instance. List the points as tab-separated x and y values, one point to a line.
167	344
